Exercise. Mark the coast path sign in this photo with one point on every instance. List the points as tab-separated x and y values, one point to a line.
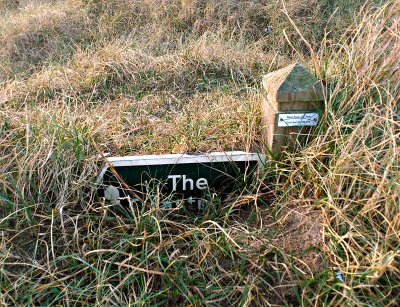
292	105
193	179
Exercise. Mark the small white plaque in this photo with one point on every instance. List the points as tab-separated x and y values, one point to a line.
297	119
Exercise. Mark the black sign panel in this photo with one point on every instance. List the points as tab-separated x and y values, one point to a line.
192	178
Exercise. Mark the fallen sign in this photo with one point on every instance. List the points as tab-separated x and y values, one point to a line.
192	179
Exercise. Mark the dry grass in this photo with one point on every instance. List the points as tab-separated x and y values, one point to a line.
133	77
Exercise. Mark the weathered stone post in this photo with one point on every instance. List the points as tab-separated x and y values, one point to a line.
294	98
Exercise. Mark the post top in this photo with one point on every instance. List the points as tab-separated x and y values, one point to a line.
293	83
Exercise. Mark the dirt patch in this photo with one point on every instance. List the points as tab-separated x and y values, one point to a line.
301	235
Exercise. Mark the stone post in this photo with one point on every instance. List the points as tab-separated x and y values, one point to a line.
291	105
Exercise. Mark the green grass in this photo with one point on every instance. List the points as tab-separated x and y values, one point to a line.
84	77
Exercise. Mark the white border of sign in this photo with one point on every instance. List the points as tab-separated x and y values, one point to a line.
234	156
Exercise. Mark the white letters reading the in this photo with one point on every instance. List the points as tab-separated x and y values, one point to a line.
188	183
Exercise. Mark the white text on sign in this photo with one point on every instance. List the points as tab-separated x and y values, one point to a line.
188	183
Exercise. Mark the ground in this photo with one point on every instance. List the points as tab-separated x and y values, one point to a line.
81	79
